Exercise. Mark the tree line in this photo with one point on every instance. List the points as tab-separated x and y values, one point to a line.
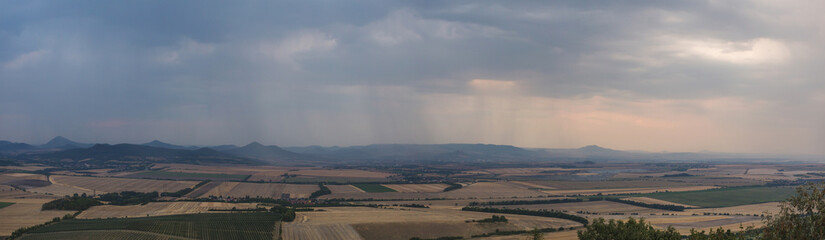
520	211
526	202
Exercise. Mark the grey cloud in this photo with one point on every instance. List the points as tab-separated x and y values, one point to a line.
211	72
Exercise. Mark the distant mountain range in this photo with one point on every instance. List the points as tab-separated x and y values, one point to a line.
160	144
104	153
63	149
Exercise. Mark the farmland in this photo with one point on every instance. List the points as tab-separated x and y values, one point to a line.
101	184
187	176
726	197
101	234
416	187
159	209
5	204
705	191
373	188
273	190
376	223
25	212
197	226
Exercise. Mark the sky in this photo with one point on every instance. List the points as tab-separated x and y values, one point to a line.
725	76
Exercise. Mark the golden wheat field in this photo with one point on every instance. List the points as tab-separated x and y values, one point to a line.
25	212
371	223
438	187
159	209
101	184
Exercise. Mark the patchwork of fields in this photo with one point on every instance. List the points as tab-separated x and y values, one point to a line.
159	209
103	185
710	201
272	190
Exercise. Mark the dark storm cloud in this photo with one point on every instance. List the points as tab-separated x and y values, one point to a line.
335	72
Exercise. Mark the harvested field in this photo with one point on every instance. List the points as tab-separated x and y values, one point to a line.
371	222
8	177
594	207
340	173
320	232
273	190
24	213
612	184
376	223
203	189
656	201
626	190
705	224
26	167
531	185
373	188
188	176
28	183
121	184
60	190
509	172
438	187
344	189
426	230
11	192
491	190
355	215
726	197
268	176
752	209
158	209
475	190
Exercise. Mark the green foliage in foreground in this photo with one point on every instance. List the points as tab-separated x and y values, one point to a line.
631	229
800	217
5	204
373	187
634	229
726	197
259	225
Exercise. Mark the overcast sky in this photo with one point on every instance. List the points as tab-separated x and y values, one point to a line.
731	76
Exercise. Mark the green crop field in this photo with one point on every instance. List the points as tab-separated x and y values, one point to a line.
726	197
5	204
196	226
187	175
100	234
372	187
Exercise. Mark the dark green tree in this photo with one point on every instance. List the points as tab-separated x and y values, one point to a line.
800	217
631	229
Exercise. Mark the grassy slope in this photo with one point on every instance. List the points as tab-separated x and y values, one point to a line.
5	204
198	226
373	188
726	197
